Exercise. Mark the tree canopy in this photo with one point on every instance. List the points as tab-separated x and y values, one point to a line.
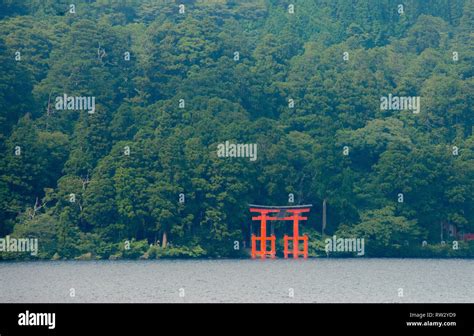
173	80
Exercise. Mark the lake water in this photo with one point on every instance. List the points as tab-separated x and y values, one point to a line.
313	280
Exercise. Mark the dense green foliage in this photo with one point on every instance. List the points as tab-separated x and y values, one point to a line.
190	56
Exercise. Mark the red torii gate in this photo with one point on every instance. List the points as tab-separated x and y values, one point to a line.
267	213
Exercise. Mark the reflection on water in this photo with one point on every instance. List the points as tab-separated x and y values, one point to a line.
314	280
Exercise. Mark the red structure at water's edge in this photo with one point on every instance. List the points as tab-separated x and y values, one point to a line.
291	243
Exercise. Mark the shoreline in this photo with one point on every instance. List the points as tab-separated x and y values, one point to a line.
226	259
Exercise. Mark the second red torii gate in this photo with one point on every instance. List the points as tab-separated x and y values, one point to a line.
293	213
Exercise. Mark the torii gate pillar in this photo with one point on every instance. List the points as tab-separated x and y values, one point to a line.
267	213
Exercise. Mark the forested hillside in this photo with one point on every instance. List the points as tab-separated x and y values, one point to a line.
302	79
